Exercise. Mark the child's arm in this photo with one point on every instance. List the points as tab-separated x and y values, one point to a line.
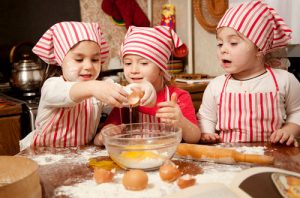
105	91
170	112
114	129
149	98
286	134
292	104
207	117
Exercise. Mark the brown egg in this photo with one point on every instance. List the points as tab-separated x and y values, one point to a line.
135	180
169	172
186	181
135	97
103	176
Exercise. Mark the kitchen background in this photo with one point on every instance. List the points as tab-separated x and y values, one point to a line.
22	23
28	20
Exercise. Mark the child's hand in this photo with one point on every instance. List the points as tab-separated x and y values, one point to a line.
114	129
209	138
282	136
170	112
110	93
149	98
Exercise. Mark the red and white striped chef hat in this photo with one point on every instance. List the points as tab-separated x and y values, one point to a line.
259	23
61	37
153	43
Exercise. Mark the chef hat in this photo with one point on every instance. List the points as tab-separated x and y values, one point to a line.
61	37
259	23
155	44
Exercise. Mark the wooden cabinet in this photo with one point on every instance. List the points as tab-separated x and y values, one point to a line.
196	91
10	126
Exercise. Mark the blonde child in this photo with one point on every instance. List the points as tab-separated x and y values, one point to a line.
71	103
145	53
253	102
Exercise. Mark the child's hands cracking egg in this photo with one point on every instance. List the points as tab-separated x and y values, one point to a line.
134	95
135	180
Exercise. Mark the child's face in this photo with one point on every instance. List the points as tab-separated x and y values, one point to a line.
236	53
82	62
137	68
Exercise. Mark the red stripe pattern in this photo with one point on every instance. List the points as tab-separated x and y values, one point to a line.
259	23
249	117
61	37
68	127
155	44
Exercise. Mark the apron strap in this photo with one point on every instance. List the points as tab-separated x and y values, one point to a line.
168	97
226	82
221	97
273	77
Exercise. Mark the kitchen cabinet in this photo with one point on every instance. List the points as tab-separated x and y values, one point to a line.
196	91
10	126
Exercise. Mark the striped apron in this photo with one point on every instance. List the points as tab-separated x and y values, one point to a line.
249	117
70	126
144	117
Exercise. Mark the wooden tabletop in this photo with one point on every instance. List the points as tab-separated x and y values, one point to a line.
68	166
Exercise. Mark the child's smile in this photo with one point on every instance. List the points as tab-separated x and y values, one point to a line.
82	62
137	79
86	77
138	68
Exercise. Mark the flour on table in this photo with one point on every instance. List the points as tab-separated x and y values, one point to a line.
90	189
156	187
47	159
258	150
78	157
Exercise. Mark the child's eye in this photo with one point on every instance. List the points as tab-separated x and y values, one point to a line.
78	59
233	43
144	63
95	60
127	64
220	44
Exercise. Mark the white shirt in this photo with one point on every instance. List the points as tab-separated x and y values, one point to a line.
289	89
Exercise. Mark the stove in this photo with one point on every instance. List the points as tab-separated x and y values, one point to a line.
30	103
30	108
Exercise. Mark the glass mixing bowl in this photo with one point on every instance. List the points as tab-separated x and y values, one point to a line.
141	145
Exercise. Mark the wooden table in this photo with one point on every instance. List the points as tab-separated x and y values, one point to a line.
69	165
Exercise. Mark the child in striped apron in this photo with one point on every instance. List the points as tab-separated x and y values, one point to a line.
145	53
71	103
253	102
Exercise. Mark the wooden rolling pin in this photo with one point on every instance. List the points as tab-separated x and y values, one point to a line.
222	155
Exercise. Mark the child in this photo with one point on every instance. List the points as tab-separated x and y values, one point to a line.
145	53
253	102
71	104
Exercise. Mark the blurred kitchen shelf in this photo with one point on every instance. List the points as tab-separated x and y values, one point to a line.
193	78
207	80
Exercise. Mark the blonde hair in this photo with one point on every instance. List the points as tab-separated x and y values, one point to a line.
277	59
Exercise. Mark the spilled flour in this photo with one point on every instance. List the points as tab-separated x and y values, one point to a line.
47	159
213	172
258	150
74	157
156	187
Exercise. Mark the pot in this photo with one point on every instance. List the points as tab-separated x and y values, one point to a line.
27	74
